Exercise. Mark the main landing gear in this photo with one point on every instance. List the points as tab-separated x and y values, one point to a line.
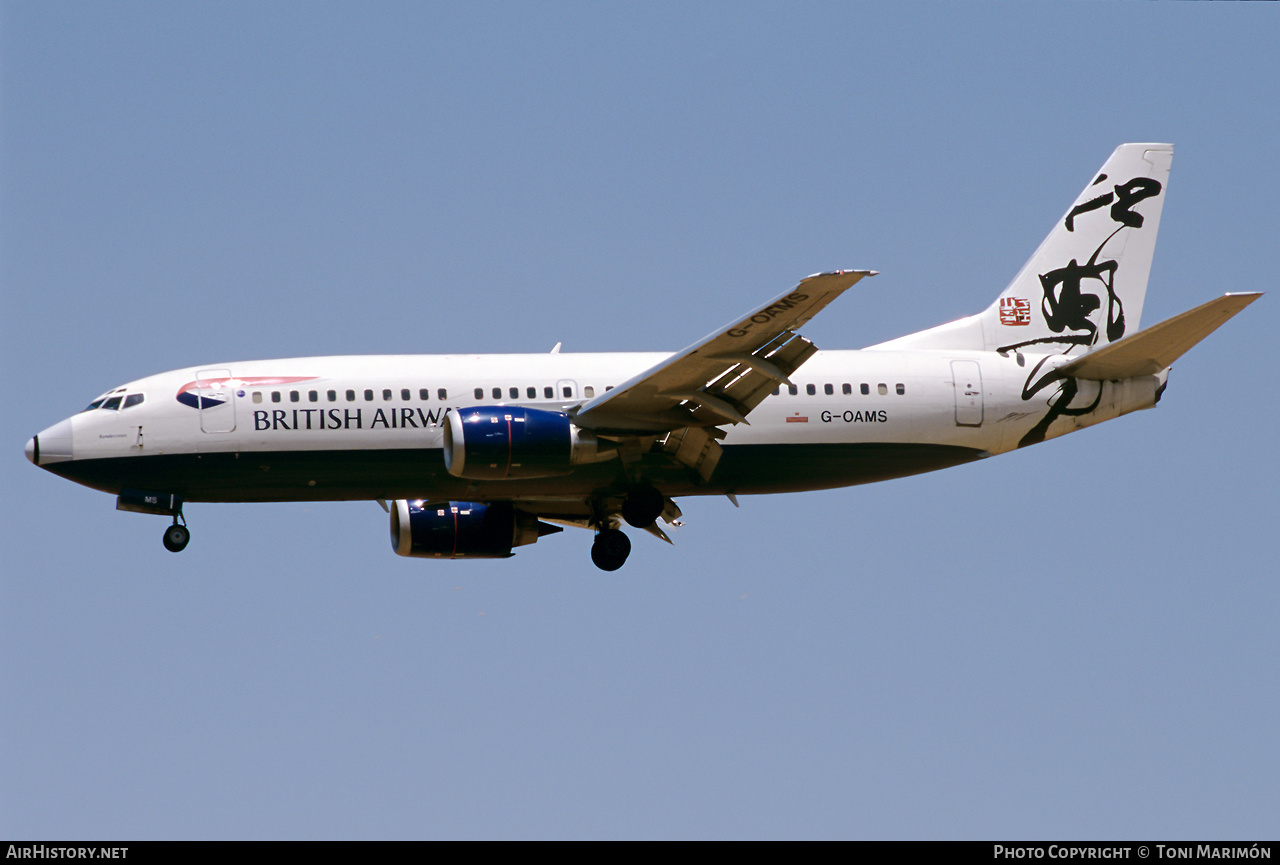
610	549
177	536
641	508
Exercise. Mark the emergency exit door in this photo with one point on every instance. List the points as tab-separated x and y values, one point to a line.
967	376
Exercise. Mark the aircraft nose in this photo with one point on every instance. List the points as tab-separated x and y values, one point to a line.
52	445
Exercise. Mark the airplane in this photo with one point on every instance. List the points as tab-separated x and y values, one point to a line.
480	454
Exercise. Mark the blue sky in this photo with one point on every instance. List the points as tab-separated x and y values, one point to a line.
1076	640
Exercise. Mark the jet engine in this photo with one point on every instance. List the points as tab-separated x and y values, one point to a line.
502	442
462	530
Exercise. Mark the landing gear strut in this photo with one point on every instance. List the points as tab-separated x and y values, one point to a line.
610	549
176	537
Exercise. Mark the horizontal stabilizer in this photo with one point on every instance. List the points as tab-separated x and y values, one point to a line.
1156	348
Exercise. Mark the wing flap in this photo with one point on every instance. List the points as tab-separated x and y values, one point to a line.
1149	351
758	375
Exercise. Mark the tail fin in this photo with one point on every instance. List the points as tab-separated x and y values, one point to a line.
1085	284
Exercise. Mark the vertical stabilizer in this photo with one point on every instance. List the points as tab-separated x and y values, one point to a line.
1085	285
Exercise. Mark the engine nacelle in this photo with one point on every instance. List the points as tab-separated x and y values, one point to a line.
462	530
503	442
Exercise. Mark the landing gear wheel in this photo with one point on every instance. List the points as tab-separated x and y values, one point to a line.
176	538
642	507
610	550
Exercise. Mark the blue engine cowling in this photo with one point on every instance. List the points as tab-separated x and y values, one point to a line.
462	530
502	442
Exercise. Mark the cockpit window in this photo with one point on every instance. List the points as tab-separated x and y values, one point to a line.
113	399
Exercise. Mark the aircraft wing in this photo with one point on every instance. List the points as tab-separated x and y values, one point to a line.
722	377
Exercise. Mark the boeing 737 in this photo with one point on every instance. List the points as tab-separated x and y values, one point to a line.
476	455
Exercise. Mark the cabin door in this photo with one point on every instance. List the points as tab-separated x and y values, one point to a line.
217	400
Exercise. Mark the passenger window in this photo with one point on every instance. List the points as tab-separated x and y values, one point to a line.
313	396
514	392
133	399
531	392
828	389
332	395
424	394
112	404
497	393
810	389
404	394
442	394
257	396
275	396
846	388
568	392
351	396
368	395
588	391
777	390
548	393
294	396
386	394
479	393
865	388
900	388
882	389
608	388
792	389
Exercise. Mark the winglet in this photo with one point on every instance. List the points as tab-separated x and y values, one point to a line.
1149	351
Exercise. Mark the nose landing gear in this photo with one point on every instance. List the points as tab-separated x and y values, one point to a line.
176	537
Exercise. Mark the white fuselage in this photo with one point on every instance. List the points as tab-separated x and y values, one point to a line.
370	426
